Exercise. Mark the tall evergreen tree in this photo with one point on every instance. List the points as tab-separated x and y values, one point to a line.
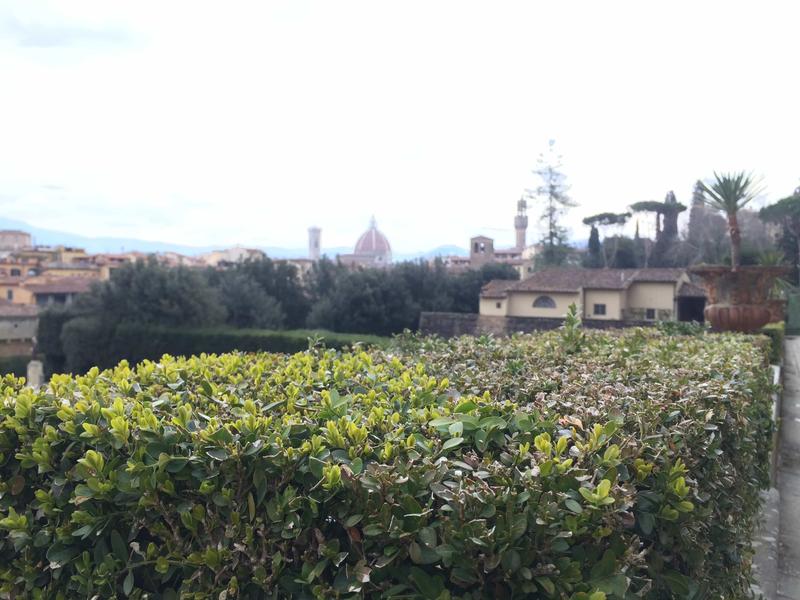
663	253
552	193
707	232
608	219
594	256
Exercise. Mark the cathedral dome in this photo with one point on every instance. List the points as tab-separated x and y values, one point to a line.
373	243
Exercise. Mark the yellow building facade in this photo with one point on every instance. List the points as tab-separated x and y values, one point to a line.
601	294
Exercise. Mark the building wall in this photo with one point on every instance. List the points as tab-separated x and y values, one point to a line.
489	306
660	296
16	348
71	272
24	269
69	255
481	251
613	299
14	240
20	294
18	328
44	299
520	304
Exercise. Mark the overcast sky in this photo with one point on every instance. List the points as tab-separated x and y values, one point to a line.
247	122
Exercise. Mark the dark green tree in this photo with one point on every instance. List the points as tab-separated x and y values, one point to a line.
143	293
786	214
608	219
707	231
664	252
153	294
247	304
386	301
623	252
366	301
594	254
281	281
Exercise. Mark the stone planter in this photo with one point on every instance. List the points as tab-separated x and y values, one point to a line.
738	300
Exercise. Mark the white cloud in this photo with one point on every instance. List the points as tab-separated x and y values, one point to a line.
249	121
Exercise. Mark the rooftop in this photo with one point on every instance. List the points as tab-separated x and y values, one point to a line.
573	280
73	265
10	309
61	285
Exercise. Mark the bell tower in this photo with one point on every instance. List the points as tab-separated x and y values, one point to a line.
521	223
314	237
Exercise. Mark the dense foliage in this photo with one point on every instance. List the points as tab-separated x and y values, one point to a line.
261	294
15	365
776	332
573	464
786	214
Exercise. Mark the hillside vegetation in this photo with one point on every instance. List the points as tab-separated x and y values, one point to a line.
572	464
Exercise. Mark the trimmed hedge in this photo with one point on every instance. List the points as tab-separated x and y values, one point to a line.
776	332
15	365
136	343
86	341
582	465
48	338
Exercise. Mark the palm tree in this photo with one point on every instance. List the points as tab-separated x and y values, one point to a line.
730	192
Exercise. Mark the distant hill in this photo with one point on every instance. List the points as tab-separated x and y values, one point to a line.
51	237
447	250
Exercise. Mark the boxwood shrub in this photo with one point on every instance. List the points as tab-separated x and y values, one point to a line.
579	465
776	332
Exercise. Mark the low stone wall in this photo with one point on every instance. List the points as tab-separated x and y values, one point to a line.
446	324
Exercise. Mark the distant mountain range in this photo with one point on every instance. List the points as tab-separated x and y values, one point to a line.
94	245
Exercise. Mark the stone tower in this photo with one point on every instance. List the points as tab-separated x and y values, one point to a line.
521	223
481	251
314	238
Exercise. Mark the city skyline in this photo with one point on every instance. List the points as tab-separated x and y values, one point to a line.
246	126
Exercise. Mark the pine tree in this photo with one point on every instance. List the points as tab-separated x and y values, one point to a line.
552	192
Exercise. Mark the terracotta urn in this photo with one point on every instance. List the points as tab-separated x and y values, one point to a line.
738	300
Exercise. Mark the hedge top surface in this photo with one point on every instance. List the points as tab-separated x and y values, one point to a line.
564	465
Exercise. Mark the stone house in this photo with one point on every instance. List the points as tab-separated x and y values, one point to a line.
57	291
603	294
18	325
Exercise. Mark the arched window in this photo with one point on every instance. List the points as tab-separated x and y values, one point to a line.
544	302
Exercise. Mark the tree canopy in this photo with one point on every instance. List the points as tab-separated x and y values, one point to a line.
607	218
731	192
552	192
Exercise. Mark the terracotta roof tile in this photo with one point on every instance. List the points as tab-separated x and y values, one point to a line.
658	275
690	290
62	285
572	280
496	288
9	309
